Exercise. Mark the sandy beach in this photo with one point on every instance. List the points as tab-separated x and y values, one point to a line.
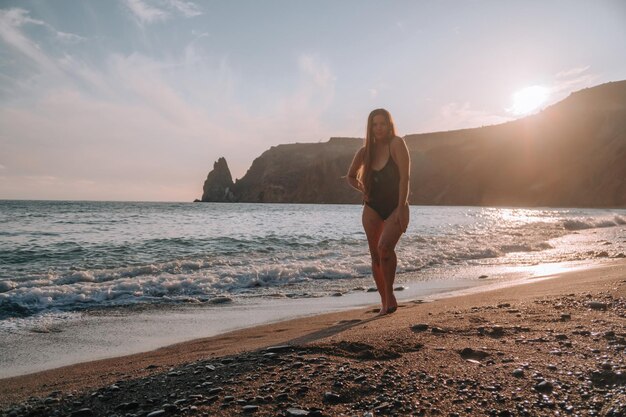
114	332
553	346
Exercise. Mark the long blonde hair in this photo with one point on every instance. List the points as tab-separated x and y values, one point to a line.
365	173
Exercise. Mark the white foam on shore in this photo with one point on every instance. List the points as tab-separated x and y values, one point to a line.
87	337
62	274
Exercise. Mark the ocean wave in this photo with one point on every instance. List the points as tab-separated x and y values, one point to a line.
593	223
9	309
7	286
77	296
193	255
73	278
469	254
84	289
31	253
526	247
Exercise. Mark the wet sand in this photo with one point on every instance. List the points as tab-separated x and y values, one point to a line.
551	345
120	331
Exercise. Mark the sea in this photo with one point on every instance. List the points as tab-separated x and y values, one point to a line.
82	280
61	257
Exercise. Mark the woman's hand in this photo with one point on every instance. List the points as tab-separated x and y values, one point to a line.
352	175
401	216
366	198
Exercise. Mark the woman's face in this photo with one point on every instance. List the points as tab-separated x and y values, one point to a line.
380	127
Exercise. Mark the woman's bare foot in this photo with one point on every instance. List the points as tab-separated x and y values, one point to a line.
392	309
392	306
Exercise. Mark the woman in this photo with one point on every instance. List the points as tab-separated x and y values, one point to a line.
380	170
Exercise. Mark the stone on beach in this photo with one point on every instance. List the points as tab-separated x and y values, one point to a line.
544	386
221	300
250	408
469	353
296	412
392	367
278	348
597	305
83	412
419	327
331	397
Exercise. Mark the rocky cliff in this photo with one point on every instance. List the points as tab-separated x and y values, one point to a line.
302	173
218	185
571	154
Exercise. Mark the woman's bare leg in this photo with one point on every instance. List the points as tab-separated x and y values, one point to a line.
373	225
388	261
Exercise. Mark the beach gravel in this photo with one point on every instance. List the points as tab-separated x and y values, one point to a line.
481	361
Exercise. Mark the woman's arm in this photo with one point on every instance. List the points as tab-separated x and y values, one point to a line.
357	162
403	160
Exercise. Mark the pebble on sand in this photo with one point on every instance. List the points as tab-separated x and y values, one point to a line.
296	412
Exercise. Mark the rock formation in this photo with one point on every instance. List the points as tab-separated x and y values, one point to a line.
219	183
572	154
302	173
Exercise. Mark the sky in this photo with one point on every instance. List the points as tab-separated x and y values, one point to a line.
134	100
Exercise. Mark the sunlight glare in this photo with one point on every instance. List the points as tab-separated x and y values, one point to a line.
528	99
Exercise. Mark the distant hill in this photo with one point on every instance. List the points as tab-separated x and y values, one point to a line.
572	154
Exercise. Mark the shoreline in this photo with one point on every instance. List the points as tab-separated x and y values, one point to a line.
352	326
119	331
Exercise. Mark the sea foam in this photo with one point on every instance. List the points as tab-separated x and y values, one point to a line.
120	254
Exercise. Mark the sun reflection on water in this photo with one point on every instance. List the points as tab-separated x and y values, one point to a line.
547	270
516	216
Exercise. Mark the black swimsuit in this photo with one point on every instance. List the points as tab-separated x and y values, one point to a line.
385	188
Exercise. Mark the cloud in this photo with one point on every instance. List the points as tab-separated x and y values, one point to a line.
570	80
42	179
187	8
134	124
16	17
97	119
572	72
95	79
45	187
2	167
318	71
299	112
137	127
66	135
38	65
146	11
138	123
10	22
454	116
69	37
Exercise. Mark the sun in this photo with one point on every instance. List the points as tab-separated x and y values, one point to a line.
528	99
